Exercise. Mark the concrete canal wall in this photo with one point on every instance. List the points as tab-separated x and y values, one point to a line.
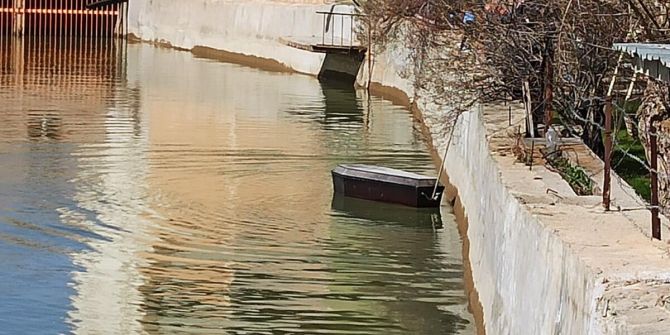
258	30
543	260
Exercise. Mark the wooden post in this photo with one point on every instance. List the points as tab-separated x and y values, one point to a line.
653	157
548	81
608	153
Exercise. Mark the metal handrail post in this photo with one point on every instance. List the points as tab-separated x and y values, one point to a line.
351	31
341	30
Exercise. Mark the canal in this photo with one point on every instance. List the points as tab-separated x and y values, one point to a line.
145	190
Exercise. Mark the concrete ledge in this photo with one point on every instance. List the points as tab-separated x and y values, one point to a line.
548	263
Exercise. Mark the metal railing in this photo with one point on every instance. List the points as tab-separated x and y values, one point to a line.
346	20
63	18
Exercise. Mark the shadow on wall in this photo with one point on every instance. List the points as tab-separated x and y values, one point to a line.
342	67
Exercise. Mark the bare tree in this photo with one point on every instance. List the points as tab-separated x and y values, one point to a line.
560	49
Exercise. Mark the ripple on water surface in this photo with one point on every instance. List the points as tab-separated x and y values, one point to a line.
149	191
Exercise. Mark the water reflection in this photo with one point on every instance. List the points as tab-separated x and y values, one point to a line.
343	105
397	258
45	126
153	192
382	213
60	100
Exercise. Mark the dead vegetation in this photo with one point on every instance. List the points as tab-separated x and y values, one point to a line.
561	50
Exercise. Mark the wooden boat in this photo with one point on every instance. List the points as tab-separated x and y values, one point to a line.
385	184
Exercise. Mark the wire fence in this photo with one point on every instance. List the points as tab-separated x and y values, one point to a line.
651	136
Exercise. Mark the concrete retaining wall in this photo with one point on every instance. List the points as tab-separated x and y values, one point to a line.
528	281
541	264
252	28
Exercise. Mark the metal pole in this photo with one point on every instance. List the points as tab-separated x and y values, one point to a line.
653	156
110	21
66	26
125	20
19	17
5	17
28	14
608	153
119	21
444	158
369	23
26	18
59	20
87	20
115	24
105	15
99	31
69	17
80	16
97	19
93	17
54	12
341	30
52	19
42	29
125	17
8	18
351	31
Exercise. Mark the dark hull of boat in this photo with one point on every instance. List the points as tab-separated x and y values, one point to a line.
397	189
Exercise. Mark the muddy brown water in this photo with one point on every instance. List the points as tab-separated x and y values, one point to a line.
145	190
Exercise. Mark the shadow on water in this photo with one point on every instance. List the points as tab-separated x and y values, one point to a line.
342	105
404	290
